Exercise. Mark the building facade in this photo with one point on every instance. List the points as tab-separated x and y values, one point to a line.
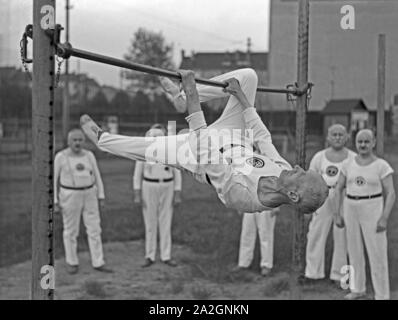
342	63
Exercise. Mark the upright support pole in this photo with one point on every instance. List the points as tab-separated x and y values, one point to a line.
42	286
301	110
381	86
66	100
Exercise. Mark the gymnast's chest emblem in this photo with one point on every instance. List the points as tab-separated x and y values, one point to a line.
360	181
332	171
79	167
255	162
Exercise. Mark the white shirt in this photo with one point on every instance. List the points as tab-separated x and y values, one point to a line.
365	180
155	171
76	171
330	171
239	191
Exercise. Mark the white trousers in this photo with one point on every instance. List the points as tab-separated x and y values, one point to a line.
263	224
74	203
317	236
158	213
164	149
361	218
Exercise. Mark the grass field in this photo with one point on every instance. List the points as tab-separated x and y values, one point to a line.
201	223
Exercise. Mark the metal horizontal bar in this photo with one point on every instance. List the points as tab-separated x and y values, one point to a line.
69	51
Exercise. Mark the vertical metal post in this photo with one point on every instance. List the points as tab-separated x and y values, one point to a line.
381	85
42	286
66	100
301	110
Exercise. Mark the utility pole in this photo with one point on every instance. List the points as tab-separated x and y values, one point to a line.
43	276
301	115
381	93
332	82
66	100
249	46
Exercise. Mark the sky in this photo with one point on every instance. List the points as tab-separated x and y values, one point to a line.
106	27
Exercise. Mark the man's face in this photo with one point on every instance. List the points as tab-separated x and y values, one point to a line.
365	142
337	136
75	141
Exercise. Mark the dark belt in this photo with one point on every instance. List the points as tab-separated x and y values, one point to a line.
230	146
77	188
158	180
363	197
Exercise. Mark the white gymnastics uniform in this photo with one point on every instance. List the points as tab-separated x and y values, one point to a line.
361	216
262	223
77	188
158	183
236	177
321	222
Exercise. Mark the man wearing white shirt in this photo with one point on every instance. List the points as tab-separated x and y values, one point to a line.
328	163
78	191
244	180
158	188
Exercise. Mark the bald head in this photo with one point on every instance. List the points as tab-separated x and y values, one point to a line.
337	136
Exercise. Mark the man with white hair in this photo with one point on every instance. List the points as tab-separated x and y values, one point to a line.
244	180
157	188
78	191
328	163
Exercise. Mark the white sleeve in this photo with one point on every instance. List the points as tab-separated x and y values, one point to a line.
385	169
57	172
97	174
261	136
138	172
315	163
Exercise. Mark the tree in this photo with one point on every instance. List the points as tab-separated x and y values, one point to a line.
149	48
121	103
99	105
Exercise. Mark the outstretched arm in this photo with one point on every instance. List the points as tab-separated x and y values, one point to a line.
261	135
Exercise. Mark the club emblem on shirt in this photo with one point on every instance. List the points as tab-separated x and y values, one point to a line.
360	181
80	167
255	162
332	171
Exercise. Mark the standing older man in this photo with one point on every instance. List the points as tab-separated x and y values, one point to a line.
244	180
158	188
78	188
328	163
